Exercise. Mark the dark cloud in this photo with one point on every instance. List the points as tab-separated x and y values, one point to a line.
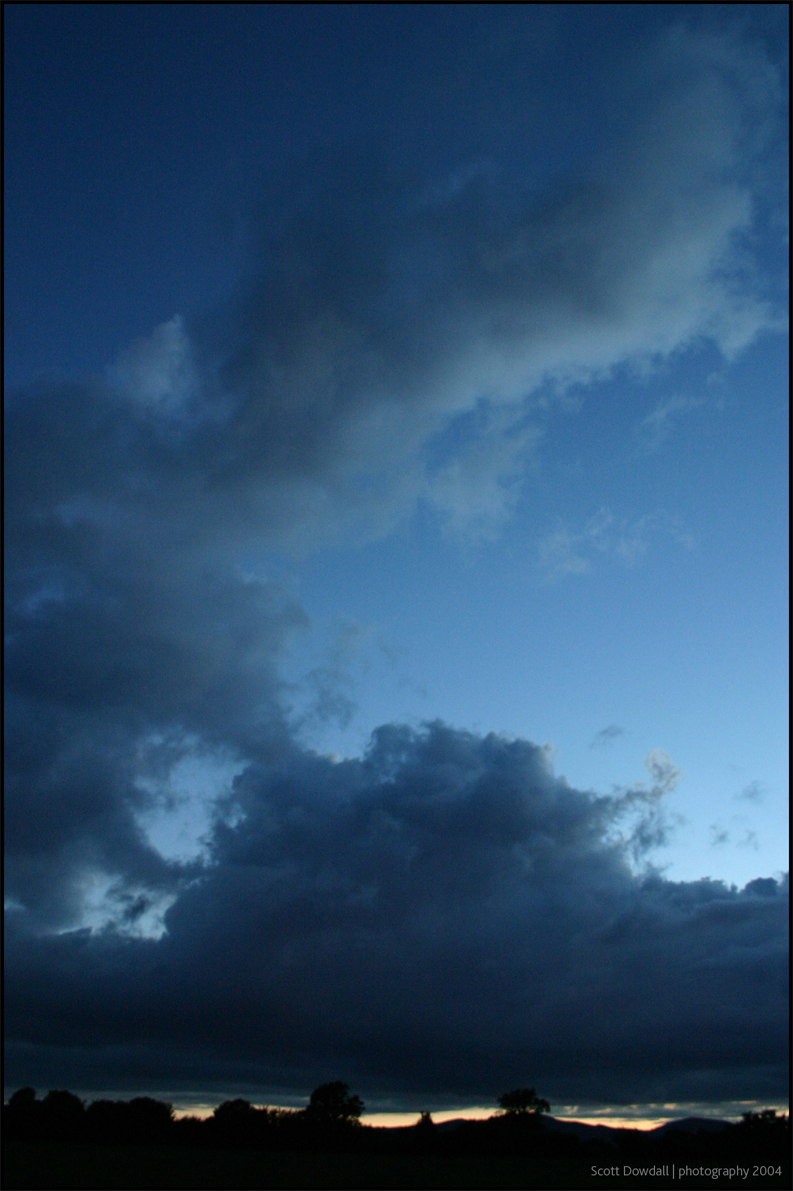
118	629
441	917
380	310
443	913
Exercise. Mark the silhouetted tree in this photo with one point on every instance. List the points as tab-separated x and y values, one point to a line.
763	1131
760	1121
22	1114
523	1100
238	1123
150	1119
106	1121
235	1122
425	1137
62	1116
141	1121
233	1111
332	1103
23	1100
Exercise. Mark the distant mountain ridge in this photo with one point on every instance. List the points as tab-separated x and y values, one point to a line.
587	1132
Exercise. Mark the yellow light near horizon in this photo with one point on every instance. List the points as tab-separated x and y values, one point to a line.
392	1120
620	1122
202	1111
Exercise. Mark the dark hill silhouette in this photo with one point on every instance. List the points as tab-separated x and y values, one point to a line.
692	1125
331	1122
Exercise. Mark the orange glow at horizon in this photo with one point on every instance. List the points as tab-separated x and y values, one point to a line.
393	1120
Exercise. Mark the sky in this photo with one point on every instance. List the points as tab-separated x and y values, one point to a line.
396	553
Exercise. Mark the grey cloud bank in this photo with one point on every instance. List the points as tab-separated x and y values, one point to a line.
444	914
436	918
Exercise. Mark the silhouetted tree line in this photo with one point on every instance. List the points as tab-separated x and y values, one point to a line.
331	1122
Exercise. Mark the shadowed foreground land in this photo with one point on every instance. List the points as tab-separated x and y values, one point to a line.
49	1165
58	1143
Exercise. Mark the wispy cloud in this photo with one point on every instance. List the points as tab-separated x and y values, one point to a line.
606	736
657	426
753	792
560	555
749	840
477	487
742	836
565	551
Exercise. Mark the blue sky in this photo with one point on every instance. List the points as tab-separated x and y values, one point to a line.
639	585
371	368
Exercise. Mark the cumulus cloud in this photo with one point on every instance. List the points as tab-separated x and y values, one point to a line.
440	917
136	644
444	911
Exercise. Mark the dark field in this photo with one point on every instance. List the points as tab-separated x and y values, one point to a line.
49	1165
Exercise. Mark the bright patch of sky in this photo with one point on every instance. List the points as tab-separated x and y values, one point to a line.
642	588
179	803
